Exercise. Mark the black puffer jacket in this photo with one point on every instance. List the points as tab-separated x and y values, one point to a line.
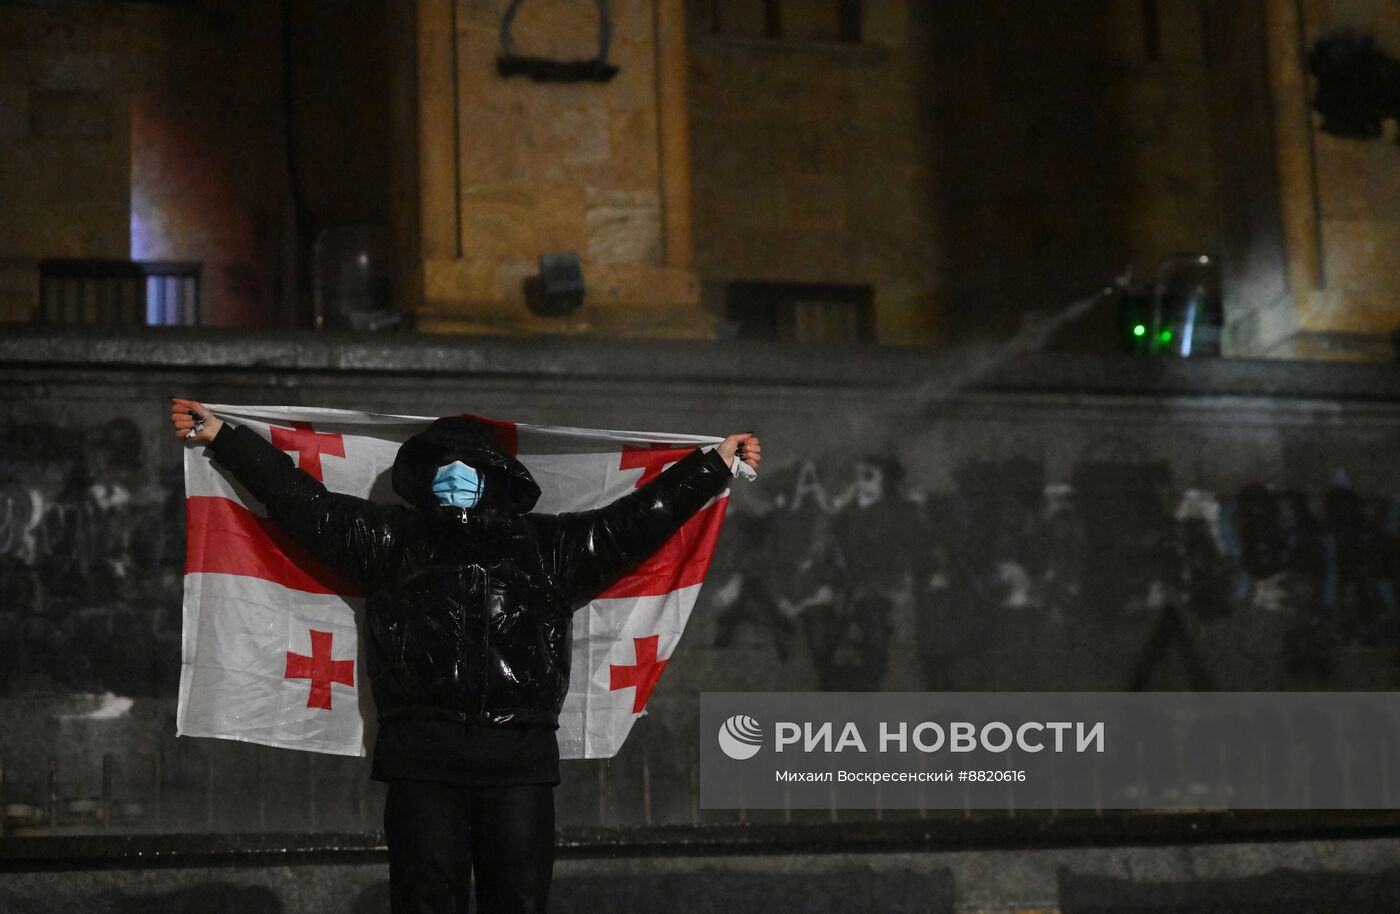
468	611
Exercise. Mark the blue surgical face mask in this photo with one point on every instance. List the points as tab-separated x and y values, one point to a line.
457	484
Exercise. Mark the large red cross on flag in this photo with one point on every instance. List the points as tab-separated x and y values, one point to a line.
271	650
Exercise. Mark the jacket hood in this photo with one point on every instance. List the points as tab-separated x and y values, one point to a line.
508	486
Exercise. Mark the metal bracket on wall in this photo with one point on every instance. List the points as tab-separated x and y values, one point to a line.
547	69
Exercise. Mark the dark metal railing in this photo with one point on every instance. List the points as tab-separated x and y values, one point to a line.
159	293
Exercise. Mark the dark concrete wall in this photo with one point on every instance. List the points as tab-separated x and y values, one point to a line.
1211	528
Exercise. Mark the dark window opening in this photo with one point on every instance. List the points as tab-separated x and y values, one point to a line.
848	21
772	19
802	312
839	20
1151	32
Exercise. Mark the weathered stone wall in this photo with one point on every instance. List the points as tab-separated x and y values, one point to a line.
970	161
158	132
209	179
1068	524
217	176
65	136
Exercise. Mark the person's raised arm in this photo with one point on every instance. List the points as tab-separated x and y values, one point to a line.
588	551
350	535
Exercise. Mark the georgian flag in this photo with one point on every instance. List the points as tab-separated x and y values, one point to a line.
272	652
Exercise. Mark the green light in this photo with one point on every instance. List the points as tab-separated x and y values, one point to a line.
1166	336
1139	329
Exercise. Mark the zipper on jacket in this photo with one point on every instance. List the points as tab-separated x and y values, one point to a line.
485	640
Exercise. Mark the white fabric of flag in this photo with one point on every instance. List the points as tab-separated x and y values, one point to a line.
272	650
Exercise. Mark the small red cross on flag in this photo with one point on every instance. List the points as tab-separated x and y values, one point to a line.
309	445
320	669
652	458
642	676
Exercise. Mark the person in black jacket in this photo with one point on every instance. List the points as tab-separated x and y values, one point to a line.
469	599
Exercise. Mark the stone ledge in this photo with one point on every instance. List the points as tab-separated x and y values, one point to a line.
1114	830
906	370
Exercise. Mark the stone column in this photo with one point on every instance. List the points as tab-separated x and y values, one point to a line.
509	169
1293	145
1260	311
438	129
1338	196
672	59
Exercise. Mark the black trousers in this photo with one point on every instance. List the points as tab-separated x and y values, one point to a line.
439	834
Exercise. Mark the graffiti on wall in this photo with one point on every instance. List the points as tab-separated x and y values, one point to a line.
91	553
843	563
845	568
